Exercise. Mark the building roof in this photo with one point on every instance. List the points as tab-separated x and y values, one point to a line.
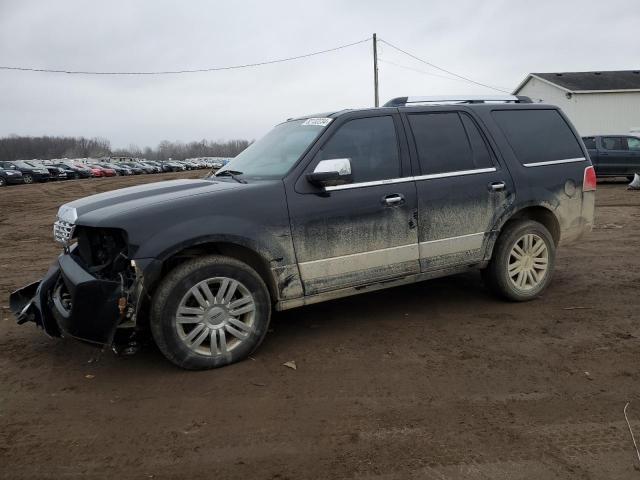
589	82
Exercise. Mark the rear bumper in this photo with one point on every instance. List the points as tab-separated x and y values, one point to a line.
582	222
69	301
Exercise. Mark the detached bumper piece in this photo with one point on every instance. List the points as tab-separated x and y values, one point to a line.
69	301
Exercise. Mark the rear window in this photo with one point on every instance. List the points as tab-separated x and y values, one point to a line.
538	135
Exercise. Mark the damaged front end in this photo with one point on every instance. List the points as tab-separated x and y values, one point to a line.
91	292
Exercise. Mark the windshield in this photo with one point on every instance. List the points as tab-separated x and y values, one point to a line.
273	155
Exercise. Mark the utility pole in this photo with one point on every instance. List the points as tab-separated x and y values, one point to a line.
375	70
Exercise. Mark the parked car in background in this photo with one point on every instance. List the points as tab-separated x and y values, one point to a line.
70	173
219	163
320	208
85	170
145	168
135	169
153	168
74	171
182	164
161	168
120	169
195	165
56	173
174	166
10	177
614	155
106	171
30	173
96	172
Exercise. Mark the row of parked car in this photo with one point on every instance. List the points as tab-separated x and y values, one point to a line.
30	171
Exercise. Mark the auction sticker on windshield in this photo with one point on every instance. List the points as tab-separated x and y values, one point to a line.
321	122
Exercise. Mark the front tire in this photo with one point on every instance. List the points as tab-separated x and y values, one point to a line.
210	312
522	263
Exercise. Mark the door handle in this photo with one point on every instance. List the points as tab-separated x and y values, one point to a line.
393	200
496	186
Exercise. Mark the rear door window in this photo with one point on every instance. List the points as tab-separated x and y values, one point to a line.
589	142
538	135
448	142
614	143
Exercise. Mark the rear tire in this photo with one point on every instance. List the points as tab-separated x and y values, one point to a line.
27	178
210	312
522	263
3	182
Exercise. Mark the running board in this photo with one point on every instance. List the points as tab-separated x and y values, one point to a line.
371	287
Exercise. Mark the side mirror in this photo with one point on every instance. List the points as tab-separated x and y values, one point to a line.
329	173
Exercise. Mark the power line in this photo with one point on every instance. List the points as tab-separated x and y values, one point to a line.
417	70
443	69
198	70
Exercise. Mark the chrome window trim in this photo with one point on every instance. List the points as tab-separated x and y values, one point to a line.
458	173
430	176
554	162
369	184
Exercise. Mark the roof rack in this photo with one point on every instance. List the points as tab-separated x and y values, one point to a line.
408	101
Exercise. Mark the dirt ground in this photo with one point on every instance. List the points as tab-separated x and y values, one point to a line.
436	380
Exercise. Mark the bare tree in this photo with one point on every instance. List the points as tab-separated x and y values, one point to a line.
14	147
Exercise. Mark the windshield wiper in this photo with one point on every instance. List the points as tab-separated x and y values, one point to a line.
233	174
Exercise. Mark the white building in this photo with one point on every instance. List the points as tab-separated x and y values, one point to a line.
596	102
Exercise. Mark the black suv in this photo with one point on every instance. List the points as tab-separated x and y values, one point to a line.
30	173
322	207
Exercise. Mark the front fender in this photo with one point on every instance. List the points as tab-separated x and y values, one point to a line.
270	243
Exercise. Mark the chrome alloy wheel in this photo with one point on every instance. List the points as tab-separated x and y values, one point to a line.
215	316
528	262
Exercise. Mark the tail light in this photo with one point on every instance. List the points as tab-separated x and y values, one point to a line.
589	181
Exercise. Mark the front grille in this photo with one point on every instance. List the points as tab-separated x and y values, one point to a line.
63	232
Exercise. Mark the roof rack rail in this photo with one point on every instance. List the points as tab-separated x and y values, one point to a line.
408	101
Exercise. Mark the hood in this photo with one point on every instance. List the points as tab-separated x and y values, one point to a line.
91	210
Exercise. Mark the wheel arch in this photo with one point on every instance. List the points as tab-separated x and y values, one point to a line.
232	248
539	213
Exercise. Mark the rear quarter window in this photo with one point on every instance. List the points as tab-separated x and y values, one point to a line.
538	135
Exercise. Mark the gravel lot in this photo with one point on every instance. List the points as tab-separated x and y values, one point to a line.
436	380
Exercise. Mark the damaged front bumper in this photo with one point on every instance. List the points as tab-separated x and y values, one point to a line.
70	301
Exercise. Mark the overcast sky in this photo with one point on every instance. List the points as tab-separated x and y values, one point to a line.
494	42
